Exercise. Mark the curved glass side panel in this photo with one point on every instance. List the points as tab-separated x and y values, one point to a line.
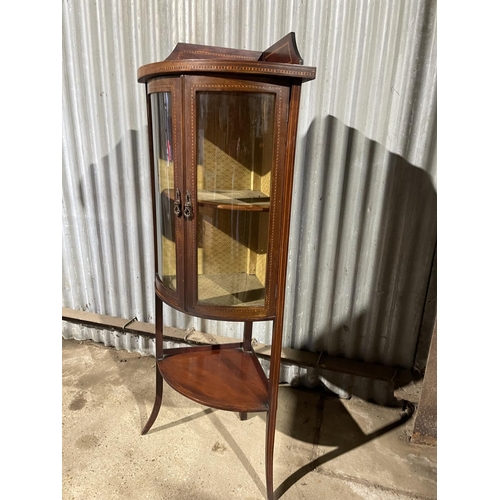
161	115
234	161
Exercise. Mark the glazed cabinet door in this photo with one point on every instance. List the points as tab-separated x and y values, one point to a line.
166	152
235	150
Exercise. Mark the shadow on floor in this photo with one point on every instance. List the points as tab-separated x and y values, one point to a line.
303	417
320	428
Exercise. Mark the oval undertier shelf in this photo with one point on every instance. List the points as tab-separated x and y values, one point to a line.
226	379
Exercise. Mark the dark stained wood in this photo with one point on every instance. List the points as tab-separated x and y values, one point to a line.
159	355
195	84
157	403
227	376
158	328
166	294
283	51
167	84
247	335
206	66
226	379
274	370
184	51
275	245
152	176
263	377
282	59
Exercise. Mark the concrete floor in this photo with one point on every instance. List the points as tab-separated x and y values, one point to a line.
326	448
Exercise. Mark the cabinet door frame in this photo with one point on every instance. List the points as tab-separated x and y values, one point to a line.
175	298
192	85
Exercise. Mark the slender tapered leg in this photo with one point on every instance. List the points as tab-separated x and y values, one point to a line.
159	356
270	432
277	340
274	373
157	405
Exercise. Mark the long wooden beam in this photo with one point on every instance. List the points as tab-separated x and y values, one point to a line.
297	357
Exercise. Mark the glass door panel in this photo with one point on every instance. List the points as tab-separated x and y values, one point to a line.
167	194
234	159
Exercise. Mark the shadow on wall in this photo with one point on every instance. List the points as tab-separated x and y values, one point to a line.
112	198
367	225
365	229
115	208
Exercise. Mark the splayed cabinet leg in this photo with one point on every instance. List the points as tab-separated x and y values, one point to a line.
157	404
159	356
270	432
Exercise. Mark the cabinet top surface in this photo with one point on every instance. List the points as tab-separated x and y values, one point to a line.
282	59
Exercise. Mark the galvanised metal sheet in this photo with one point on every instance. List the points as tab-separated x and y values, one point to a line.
363	231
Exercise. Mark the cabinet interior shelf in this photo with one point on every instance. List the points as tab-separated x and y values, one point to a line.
218	376
230	199
254	201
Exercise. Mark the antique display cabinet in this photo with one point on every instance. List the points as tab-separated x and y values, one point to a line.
222	131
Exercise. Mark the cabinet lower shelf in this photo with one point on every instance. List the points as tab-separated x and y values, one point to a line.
231	290
226	379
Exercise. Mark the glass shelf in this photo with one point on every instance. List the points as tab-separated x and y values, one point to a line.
230	199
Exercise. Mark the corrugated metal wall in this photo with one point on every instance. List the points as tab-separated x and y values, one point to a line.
363	231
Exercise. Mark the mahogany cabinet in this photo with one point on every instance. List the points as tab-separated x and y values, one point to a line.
222	130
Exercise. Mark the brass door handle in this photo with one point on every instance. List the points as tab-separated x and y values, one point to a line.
188	207
177	204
